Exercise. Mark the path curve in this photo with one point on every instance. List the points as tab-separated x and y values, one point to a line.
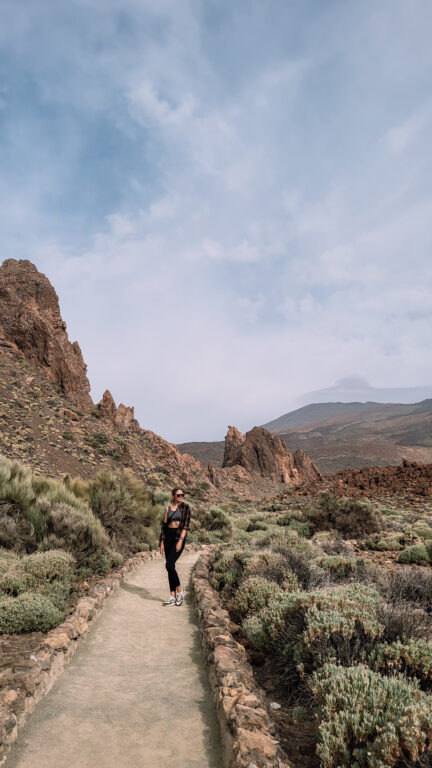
136	693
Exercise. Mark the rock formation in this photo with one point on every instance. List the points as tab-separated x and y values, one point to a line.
122	416
30	320
260	452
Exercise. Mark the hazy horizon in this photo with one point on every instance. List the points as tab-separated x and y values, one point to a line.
232	201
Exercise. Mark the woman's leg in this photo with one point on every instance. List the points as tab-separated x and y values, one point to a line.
171	560
169	546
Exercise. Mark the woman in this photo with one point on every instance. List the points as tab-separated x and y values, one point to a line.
172	542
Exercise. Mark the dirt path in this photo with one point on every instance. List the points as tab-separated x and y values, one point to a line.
135	694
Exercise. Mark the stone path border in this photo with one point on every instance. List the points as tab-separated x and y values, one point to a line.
247	731
24	684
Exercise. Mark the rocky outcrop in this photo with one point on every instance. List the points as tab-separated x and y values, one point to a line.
30	320
260	452
123	416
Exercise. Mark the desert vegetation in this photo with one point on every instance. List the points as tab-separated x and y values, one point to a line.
344	641
55	533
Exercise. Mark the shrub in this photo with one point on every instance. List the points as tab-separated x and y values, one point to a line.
415	554
302	527
253	630
413	585
338	567
402	621
424	533
128	510
284	538
315	627
217	521
386	544
308	573
412	658
369	720
352	518
29	612
270	565
228	567
256	525
47	573
44	513
253	594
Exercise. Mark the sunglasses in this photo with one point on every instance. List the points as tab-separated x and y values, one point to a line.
179	494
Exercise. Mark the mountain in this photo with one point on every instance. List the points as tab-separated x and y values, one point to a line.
338	436
49	421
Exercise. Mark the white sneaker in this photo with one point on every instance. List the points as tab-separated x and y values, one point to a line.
171	601
179	597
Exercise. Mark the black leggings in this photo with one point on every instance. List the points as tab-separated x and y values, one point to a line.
171	556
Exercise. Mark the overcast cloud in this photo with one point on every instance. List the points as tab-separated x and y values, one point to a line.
232	200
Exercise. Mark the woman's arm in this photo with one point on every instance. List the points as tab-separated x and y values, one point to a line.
165	520
185	522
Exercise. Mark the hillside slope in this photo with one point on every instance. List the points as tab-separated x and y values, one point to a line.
347	435
48	419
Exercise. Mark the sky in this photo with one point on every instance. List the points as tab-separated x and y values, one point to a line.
232	199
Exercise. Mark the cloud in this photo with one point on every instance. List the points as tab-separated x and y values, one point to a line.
400	136
233	205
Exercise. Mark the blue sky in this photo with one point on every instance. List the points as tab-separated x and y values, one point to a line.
232	200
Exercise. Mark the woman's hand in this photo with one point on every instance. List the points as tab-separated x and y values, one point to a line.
179	544
162	548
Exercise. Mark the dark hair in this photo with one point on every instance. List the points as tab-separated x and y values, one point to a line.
174	491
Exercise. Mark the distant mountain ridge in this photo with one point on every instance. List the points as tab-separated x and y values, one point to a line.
339	436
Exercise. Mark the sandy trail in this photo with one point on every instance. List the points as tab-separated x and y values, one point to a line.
136	692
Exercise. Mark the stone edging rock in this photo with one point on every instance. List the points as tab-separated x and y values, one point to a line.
24	684
247	731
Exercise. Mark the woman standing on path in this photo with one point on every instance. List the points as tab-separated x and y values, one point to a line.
174	529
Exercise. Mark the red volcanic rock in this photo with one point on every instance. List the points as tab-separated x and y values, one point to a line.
260	452
107	407
30	319
305	466
123	416
410	478
234	441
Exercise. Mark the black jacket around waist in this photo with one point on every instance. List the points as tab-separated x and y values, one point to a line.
184	522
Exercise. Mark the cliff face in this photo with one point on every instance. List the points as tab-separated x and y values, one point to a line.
32	329
61	438
30	320
260	452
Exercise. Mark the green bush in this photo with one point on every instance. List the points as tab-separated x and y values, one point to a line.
315	627
415	554
44	513
350	517
286	538
412	658
338	567
214	520
228	567
367	720
253	594
412	585
293	523
253	630
29	612
46	573
128	510
424	533
256	525
270	565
